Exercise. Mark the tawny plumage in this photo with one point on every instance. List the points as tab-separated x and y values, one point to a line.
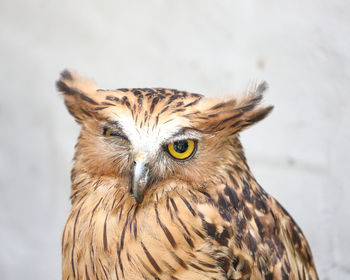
161	190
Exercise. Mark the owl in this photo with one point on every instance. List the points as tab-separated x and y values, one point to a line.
161	189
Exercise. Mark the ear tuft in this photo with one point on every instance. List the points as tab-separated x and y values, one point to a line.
64	83
78	94
71	84
234	115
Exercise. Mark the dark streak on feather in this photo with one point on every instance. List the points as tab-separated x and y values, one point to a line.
260	204
196	266
189	240
120	212
193	103
88	99
229	103
233	180
86	273
224	208
165	229
295	236
100	108
112	98
151	259
73	246
124	229
107	103
164	109
260	227
103	268
232	196
247	213
116	272
236	116
178	260
188	205
173	204
125	101
120	260
196	231
105	242
246	192
154	103
169	209
172	98
65	89
178	110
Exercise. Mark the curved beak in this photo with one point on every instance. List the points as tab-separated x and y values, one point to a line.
139	178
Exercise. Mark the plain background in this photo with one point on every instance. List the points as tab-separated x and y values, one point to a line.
300	154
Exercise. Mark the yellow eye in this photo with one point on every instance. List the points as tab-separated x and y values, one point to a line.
183	149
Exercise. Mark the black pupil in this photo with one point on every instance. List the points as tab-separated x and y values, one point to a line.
180	146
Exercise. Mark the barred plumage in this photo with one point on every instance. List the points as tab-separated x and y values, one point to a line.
138	212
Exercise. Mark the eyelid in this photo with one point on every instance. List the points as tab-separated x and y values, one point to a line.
187	134
114	133
181	138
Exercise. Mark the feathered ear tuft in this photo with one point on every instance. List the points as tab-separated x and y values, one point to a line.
232	116
78	94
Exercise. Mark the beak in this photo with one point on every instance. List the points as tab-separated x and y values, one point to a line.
139	178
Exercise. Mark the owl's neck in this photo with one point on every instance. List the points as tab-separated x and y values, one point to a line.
237	169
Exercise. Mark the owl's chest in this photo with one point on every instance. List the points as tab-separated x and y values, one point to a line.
155	239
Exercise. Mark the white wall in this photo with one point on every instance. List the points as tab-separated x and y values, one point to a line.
300	154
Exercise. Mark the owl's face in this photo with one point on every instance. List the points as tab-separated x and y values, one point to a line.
146	139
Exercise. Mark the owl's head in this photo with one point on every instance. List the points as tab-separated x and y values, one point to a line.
145	139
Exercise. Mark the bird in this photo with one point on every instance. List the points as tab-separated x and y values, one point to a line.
161	189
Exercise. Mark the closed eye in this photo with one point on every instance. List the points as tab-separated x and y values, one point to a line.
107	131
